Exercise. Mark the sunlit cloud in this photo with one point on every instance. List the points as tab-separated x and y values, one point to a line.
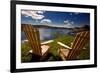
46	21
38	15
40	12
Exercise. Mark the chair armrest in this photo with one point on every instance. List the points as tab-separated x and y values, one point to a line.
65	52
30	51
46	42
61	44
71	44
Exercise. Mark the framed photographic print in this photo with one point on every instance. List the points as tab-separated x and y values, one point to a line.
51	36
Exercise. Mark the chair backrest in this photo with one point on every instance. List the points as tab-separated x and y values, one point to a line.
32	34
79	42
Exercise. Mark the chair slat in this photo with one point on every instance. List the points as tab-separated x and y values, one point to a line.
33	36
78	43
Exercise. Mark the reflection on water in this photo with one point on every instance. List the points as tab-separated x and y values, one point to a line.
49	33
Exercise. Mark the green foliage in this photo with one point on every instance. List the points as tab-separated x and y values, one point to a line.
85	53
54	47
66	39
25	56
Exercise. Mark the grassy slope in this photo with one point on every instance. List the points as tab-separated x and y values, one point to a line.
66	39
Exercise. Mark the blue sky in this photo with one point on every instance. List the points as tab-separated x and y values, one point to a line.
55	18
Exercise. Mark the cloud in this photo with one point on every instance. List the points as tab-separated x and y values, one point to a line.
72	22
38	15
66	21
46	21
69	24
40	12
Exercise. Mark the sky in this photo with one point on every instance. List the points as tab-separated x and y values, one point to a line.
66	19
53	18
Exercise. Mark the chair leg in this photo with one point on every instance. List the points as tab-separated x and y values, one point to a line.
46	57
35	58
62	57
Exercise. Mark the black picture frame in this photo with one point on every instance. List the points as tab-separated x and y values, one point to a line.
13	35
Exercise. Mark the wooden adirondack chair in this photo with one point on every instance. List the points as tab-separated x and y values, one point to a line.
32	34
71	53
